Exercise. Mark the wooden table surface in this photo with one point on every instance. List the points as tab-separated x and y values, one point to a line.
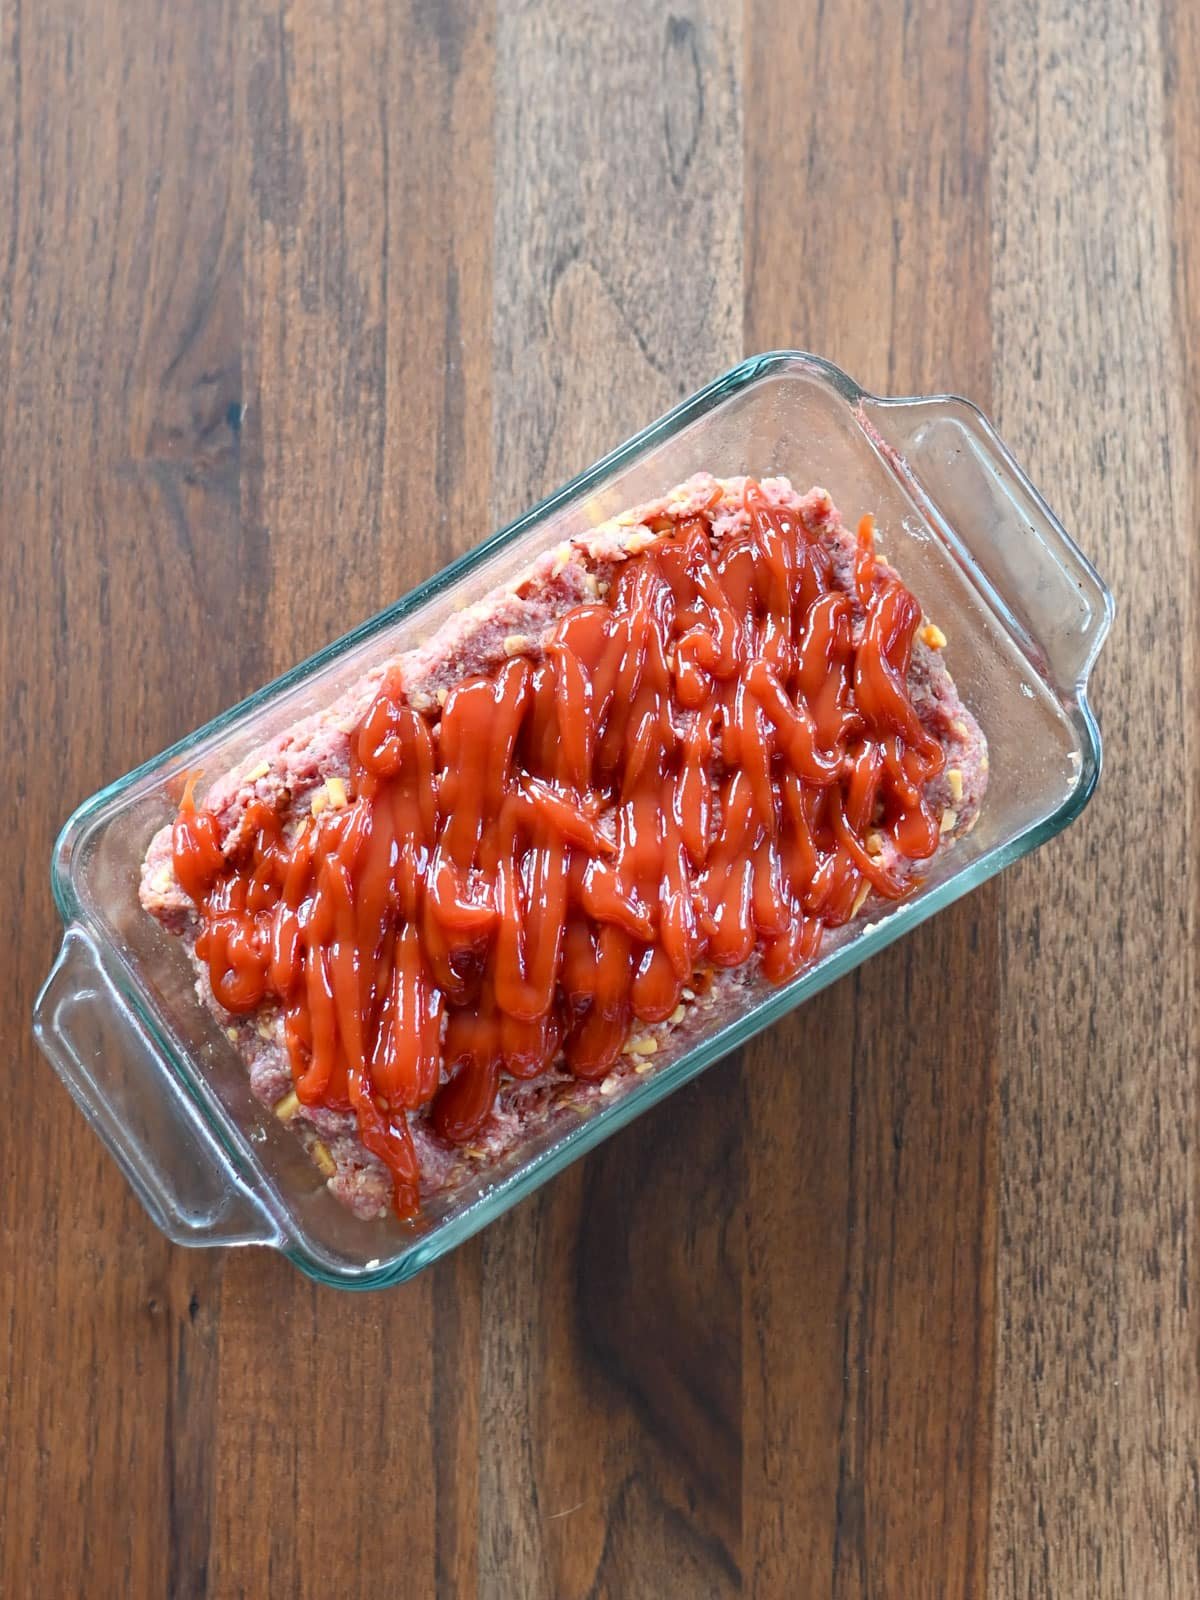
295	303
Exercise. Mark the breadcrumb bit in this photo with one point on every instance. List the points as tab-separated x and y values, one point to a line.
688	994
610	1085
561	557
163	879
320	1154
232	1035
626	520
287	1108
515	643
640	539
475	1151
874	843
593	585
949	818
319	801
860	898
933	636
954	779
337	793
264	1029
959	728
442	696
643	1045
260	771
677	1015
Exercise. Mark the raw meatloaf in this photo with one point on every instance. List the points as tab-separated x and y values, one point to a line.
307	771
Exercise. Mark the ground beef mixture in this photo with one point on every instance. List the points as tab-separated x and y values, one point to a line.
589	820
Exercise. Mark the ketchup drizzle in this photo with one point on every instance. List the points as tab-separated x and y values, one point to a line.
690	773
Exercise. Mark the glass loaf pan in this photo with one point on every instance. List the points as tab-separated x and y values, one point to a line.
1025	614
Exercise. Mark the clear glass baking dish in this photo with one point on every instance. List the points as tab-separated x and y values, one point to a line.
1025	614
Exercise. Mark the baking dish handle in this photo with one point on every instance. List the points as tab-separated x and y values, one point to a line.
153	1128
967	482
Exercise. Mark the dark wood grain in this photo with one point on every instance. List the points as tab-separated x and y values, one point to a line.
298	301
598	1475
119	327
368	473
1097	1386
870	1251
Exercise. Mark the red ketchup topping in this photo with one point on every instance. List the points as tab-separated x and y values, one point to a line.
689	773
